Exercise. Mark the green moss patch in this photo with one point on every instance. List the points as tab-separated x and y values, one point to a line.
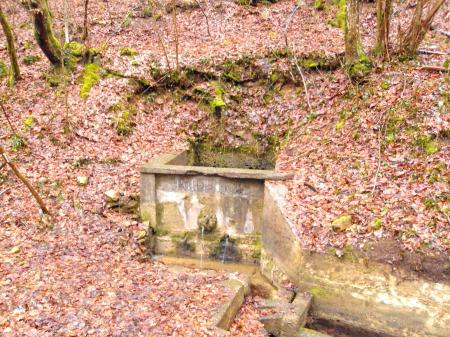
90	77
30	59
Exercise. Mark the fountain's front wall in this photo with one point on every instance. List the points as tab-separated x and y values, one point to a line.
174	203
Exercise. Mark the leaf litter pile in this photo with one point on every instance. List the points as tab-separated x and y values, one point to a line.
371	164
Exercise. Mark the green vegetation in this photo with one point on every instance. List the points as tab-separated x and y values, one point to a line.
128	52
4	71
17	142
427	144
30	59
90	77
319	5
28	121
125	122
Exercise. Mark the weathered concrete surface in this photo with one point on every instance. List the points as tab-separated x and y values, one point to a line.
174	163
227	312
355	291
304	332
175	199
285	319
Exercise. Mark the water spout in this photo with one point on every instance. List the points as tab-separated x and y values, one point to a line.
202	247
225	249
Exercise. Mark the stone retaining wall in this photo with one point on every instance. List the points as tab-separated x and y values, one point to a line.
355	291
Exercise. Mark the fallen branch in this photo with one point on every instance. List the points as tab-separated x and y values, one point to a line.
434	68
19	175
7	119
432	52
3	192
440	31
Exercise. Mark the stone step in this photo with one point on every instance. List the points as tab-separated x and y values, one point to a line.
304	332
227	312
284	319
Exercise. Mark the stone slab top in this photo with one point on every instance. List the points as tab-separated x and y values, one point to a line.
162	164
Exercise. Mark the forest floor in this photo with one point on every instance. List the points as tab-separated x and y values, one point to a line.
377	152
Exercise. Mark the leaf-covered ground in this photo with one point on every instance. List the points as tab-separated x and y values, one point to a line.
377	152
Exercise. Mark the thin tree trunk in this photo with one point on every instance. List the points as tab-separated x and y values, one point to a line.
85	21
66	22
384	9
419	26
175	28
352	37
43	30
24	180
10	45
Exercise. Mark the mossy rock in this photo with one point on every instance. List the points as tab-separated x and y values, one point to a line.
318	61
242	70
359	70
127	52
182	5
341	223
125	122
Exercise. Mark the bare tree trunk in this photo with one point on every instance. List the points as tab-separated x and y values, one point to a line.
384	9
66	22
24	180
43	30
10	45
175	28
419	26
352	37
84	36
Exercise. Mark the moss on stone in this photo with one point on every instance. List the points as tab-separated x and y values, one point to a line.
128	52
90	77
318	292
125	122
75	48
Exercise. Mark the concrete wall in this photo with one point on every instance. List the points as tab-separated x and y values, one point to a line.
356	291
174	202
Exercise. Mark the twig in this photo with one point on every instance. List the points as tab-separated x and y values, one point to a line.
206	16
288	22
160	41
24	180
375	178
304	83
432	52
3	192
442	32
175	28
434	68
311	187
7	118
